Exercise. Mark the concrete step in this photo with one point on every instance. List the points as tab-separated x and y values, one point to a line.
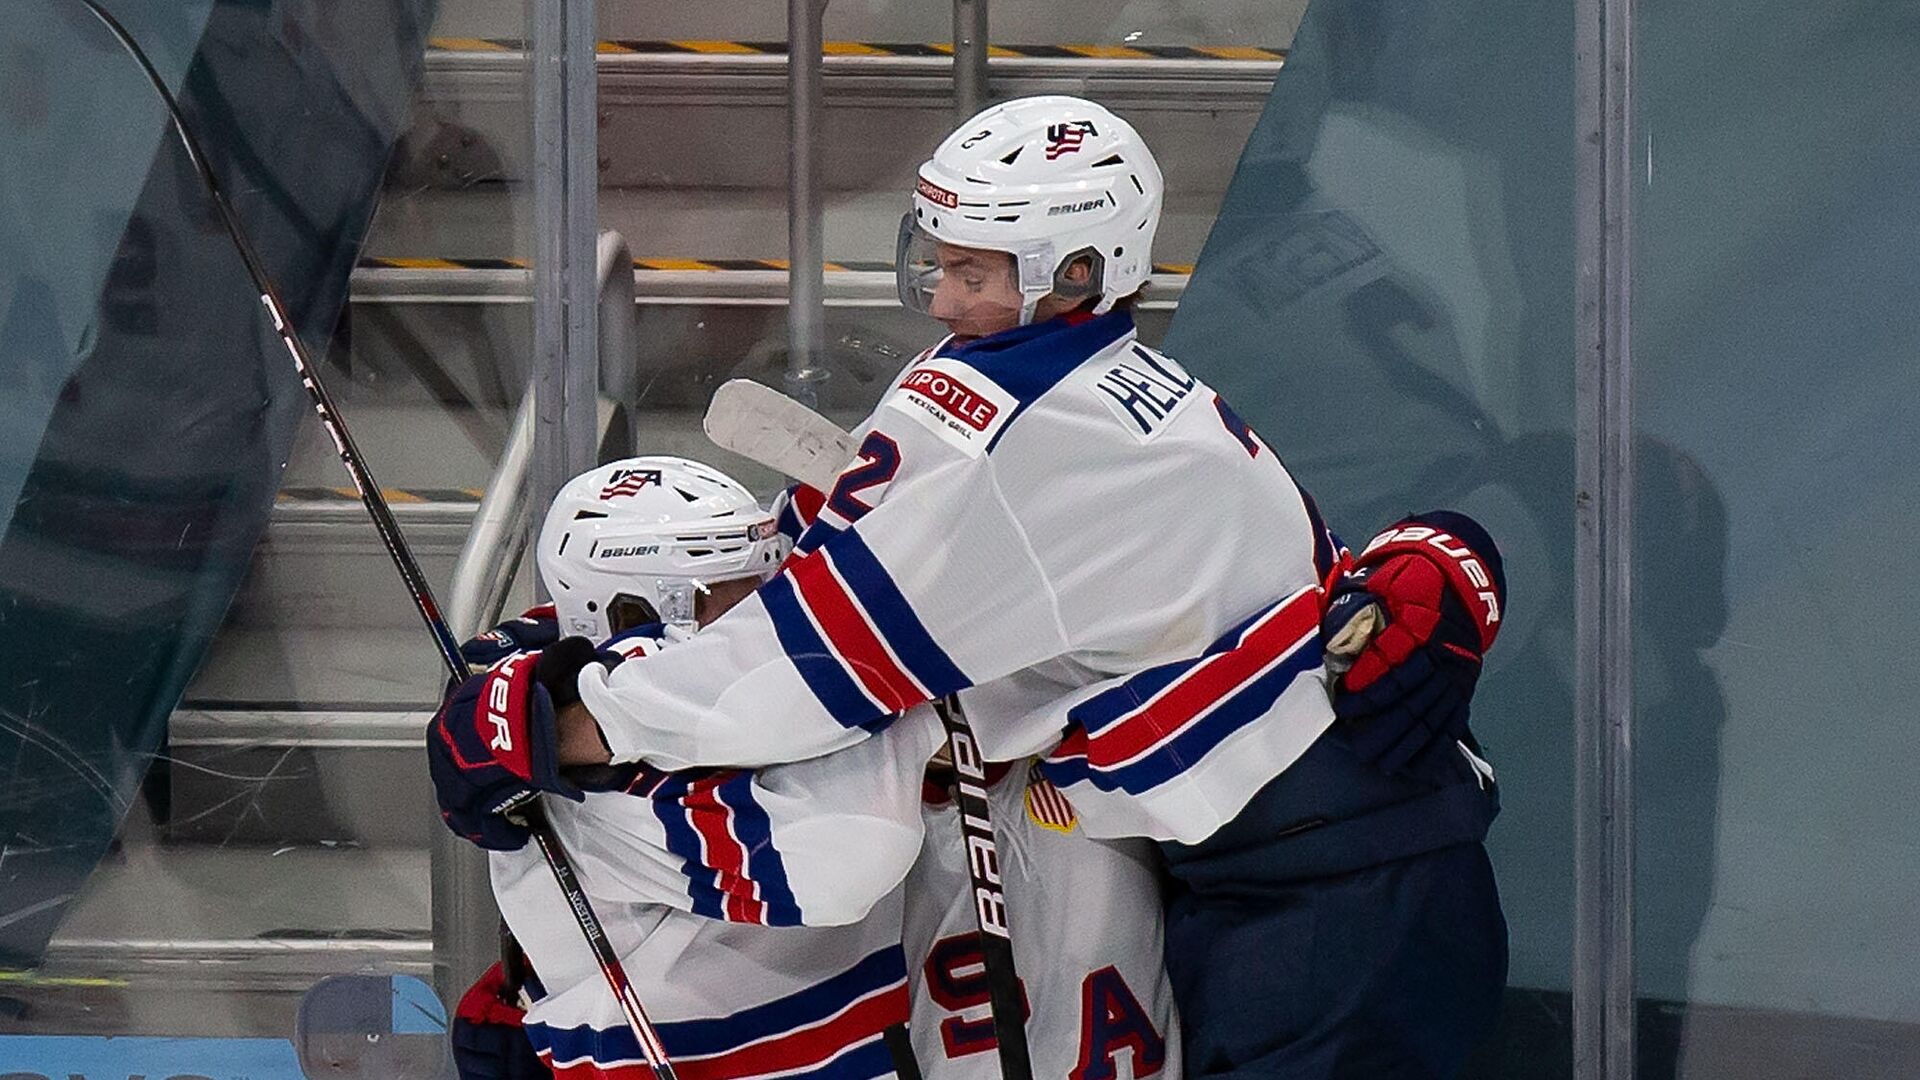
242	917
495	222
1113	22
713	114
699	323
331	777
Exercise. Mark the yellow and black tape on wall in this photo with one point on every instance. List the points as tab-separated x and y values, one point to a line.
1135	51
711	265
408	496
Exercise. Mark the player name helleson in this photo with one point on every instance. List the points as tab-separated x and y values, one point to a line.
1149	388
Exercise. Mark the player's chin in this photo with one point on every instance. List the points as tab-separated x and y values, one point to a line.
967	329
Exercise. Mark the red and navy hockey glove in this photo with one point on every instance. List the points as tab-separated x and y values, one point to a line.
492	744
490	1036
536	628
1432	587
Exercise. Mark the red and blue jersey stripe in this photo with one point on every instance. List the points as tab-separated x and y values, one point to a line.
852	635
733	870
832	1030
1163	721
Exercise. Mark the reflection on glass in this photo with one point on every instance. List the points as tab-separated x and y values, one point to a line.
1777	254
1387	298
209	713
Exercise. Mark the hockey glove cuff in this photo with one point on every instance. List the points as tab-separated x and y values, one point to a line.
1413	619
536	628
492	744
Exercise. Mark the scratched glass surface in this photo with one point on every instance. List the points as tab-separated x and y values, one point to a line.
212	792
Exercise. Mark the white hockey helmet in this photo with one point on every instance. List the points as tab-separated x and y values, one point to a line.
1047	179
634	541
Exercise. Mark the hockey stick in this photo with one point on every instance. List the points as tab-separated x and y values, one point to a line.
396	545
1007	1002
768	428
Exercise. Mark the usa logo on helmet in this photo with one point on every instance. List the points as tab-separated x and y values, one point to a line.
629	482
1066	138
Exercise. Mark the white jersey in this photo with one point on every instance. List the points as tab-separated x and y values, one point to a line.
758	914
1069	530
1085	916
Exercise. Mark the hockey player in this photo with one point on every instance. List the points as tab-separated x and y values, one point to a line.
1087	947
1089	548
1090	955
687	871
1088	951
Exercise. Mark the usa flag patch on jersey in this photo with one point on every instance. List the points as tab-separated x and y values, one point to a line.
1046	806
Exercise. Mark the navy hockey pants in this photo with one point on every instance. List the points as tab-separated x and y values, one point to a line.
1390	972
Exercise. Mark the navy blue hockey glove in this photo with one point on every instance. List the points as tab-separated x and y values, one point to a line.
536	628
492	744
1406	629
490	1037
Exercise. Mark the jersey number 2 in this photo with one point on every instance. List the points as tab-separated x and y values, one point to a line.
879	460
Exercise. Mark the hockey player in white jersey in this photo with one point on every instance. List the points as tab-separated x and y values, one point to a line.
1097	1004
1083	542
1087	948
688	871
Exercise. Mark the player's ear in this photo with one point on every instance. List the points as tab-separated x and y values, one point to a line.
1079	271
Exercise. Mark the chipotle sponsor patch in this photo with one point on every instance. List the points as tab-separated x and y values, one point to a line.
936	194
955	401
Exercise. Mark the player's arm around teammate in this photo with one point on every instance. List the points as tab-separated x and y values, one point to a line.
759	911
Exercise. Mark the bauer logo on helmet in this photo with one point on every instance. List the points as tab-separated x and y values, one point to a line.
1077	207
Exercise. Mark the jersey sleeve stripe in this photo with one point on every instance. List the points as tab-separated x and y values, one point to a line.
764	862
870	583
862	1022
852	636
1068	765
671	806
822	1024
815	537
823	672
1206	685
1102	711
1216	696
869	1060
1326	546
684	842
725	855
799	511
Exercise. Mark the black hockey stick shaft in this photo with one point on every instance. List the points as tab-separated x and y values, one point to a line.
989	894
402	556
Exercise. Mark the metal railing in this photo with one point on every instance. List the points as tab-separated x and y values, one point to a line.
464	918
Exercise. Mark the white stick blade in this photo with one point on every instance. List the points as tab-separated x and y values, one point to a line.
769	428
